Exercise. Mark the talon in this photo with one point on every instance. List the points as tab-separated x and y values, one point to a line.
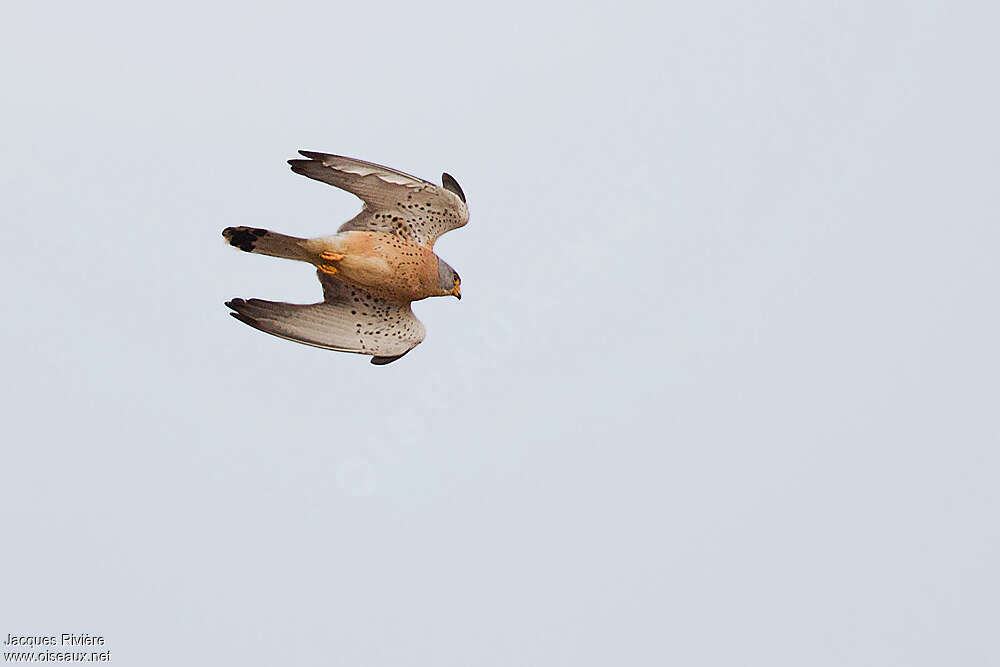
332	256
328	268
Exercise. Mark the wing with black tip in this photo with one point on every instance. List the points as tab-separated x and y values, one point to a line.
349	319
395	202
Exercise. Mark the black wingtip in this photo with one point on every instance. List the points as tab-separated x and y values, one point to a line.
237	304
382	361
246	320
304	167
451	184
312	155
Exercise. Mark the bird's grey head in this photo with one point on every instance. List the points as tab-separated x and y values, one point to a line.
448	280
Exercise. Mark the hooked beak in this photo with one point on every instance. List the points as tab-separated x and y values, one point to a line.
456	290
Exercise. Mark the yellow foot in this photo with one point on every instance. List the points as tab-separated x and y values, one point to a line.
330	256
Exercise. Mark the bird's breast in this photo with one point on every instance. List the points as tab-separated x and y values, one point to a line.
388	265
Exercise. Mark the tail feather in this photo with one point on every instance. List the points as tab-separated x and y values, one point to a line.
266	242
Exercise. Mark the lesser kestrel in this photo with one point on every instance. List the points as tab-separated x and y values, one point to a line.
371	269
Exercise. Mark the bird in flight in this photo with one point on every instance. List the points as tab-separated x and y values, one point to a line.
371	269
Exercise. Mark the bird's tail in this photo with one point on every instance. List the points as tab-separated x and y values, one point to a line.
265	242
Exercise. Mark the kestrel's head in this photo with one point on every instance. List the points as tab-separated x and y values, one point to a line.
448	281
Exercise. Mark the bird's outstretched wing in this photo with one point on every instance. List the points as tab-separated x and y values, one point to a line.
349	319
410	207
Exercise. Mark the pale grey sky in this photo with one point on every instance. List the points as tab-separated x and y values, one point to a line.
722	389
